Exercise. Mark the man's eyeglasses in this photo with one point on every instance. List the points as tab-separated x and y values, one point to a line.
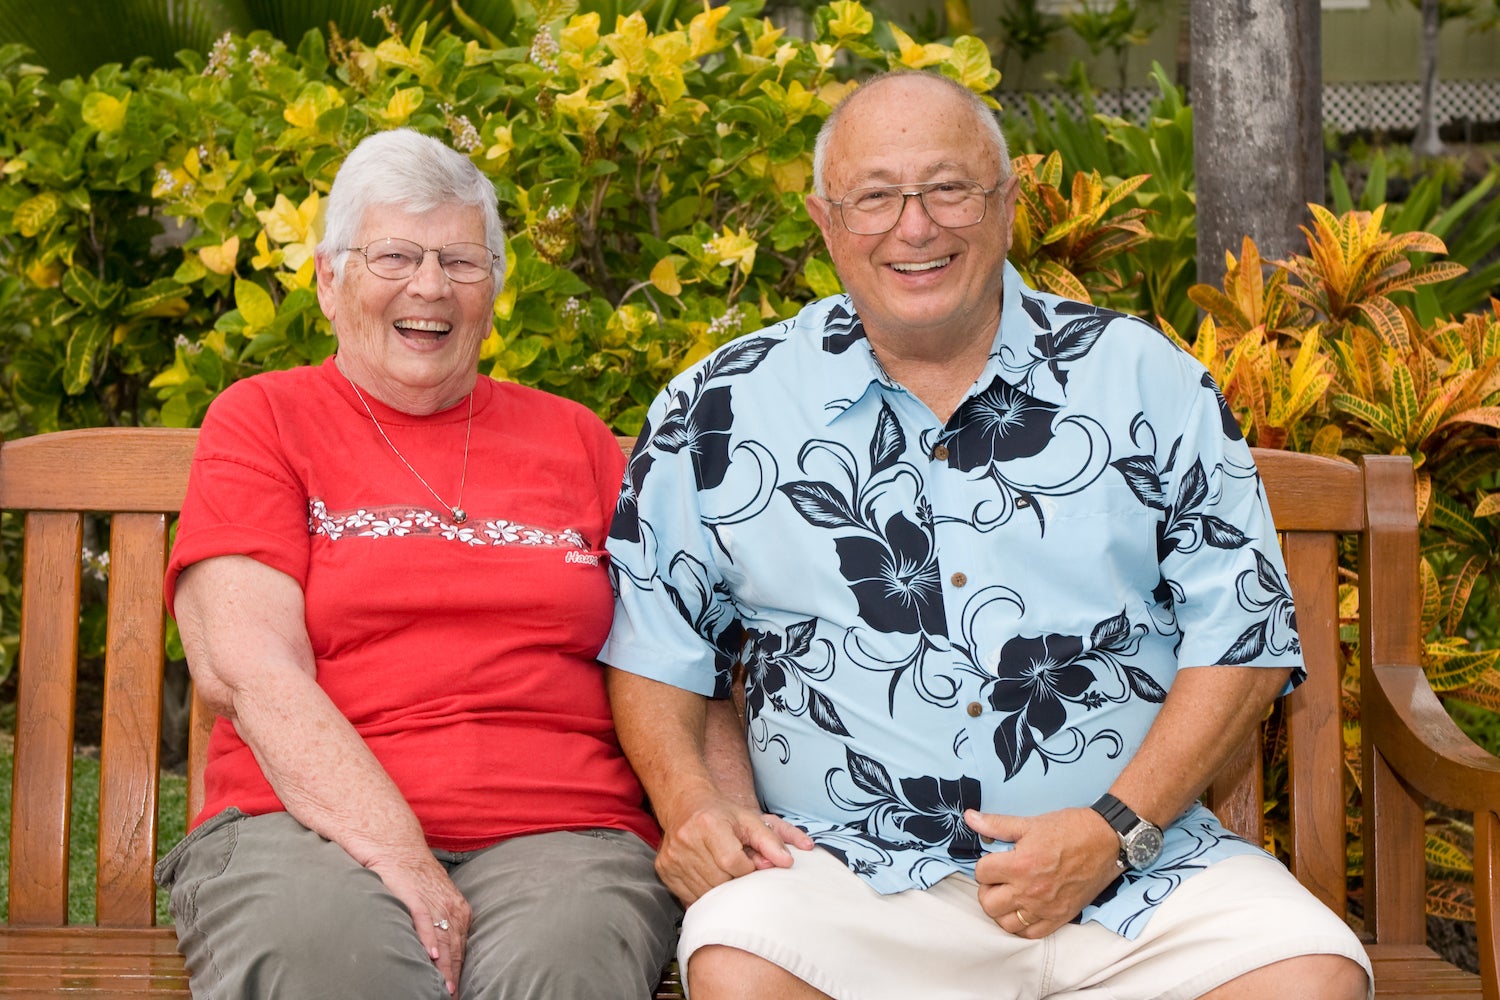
466	263
870	211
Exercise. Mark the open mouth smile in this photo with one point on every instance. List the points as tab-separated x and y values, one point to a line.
915	267
423	329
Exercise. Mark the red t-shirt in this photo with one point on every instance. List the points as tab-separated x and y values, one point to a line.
463	655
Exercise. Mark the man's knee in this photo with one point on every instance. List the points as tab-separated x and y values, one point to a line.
1306	977
718	972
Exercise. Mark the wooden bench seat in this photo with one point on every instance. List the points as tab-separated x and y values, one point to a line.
1412	750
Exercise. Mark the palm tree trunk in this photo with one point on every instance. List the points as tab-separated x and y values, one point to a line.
1428	142
1257	95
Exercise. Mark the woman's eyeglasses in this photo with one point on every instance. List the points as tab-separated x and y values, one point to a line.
466	263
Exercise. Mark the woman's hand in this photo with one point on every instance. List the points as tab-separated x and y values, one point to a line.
439	911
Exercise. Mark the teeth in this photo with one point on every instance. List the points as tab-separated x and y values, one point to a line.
425	325
926	266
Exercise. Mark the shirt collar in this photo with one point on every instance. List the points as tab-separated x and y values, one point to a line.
854	371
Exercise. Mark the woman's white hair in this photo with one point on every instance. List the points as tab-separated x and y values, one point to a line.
415	173
989	124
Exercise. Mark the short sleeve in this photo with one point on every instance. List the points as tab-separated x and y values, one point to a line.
242	497
674	621
1219	550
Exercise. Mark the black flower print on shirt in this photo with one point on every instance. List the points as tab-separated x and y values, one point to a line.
1040	678
700	422
707	606
626	524
1226	415
894	576
999	425
1263	590
1188	523
842	330
923	810
778	669
890	563
1057	345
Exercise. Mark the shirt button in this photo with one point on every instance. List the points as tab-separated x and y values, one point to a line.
975	709
958	579
940	453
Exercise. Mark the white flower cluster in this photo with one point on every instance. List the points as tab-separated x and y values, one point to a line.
544	49
465	135
725	324
219	57
95	564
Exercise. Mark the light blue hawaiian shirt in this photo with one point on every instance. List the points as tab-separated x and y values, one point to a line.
932	618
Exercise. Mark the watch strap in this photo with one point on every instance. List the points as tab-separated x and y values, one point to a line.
1116	813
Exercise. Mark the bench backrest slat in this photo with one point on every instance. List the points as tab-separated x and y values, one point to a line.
132	687
42	780
1313	726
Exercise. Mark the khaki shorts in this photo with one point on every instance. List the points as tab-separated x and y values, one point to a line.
826	926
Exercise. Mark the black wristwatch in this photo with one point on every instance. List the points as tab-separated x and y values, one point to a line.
1140	839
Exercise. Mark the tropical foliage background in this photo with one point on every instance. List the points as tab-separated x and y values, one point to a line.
157	219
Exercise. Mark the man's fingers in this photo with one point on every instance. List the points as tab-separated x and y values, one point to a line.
995	826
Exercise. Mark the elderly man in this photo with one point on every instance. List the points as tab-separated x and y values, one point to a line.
1006	591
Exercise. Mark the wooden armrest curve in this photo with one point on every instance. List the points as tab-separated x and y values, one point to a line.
1403	719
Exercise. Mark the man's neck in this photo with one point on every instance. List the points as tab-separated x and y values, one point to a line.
939	374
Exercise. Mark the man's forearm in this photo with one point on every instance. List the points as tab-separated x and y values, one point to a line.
1208	714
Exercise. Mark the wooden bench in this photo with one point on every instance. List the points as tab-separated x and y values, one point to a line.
1411	749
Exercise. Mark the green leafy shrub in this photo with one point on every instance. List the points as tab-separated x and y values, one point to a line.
160	222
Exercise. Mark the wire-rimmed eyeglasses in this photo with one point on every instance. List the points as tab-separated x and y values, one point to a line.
870	211
394	258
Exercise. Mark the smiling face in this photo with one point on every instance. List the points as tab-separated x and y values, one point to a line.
413	343
919	287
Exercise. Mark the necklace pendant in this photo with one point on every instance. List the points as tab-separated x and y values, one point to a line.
459	515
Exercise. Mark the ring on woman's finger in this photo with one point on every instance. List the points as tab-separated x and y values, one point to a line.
442	925
1022	917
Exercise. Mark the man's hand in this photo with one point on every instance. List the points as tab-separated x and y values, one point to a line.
421	884
1061	861
709	840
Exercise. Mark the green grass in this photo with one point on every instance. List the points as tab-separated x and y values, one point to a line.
81	861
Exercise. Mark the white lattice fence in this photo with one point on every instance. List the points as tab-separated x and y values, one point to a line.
1346	106
1397	105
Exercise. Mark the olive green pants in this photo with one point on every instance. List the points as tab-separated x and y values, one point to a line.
266	908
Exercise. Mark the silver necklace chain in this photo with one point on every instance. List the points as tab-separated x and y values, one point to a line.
455	510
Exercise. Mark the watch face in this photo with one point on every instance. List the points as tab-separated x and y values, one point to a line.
1142	846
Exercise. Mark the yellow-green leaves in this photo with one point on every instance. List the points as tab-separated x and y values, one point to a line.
850	20
220	259
34	214
104	111
914	56
970	62
303	114
664	275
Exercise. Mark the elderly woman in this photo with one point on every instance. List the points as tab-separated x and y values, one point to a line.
390	583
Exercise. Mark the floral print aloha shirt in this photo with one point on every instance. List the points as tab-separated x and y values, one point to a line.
932	618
